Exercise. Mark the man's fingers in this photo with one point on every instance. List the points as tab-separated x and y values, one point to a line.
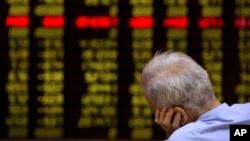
168	117
176	121
164	118
162	114
157	115
167	122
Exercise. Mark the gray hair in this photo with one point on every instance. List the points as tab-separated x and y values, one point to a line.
175	79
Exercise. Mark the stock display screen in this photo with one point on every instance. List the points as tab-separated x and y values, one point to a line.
71	68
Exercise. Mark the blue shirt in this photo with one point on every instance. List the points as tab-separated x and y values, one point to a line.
214	124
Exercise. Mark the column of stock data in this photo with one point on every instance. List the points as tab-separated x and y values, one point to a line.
141	23
95	49
71	69
210	24
48	47
242	24
176	25
17	87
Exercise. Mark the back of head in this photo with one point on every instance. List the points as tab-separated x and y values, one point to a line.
175	79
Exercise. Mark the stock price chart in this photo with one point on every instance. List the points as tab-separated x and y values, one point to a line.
70	69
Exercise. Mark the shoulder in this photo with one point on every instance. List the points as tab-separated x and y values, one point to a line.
215	125
241	110
241	106
199	131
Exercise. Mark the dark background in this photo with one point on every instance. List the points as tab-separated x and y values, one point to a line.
74	85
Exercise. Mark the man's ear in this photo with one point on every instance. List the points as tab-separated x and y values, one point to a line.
184	116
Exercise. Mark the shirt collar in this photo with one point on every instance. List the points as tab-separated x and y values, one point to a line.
213	112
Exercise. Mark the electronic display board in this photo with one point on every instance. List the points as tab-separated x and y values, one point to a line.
70	69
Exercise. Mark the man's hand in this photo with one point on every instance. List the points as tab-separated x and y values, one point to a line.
168	119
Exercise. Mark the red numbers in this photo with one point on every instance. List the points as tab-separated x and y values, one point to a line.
210	22
141	22
53	21
17	21
176	22
96	22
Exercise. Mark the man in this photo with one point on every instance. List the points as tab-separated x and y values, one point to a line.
180	92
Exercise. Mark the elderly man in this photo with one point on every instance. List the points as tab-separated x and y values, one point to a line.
180	92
